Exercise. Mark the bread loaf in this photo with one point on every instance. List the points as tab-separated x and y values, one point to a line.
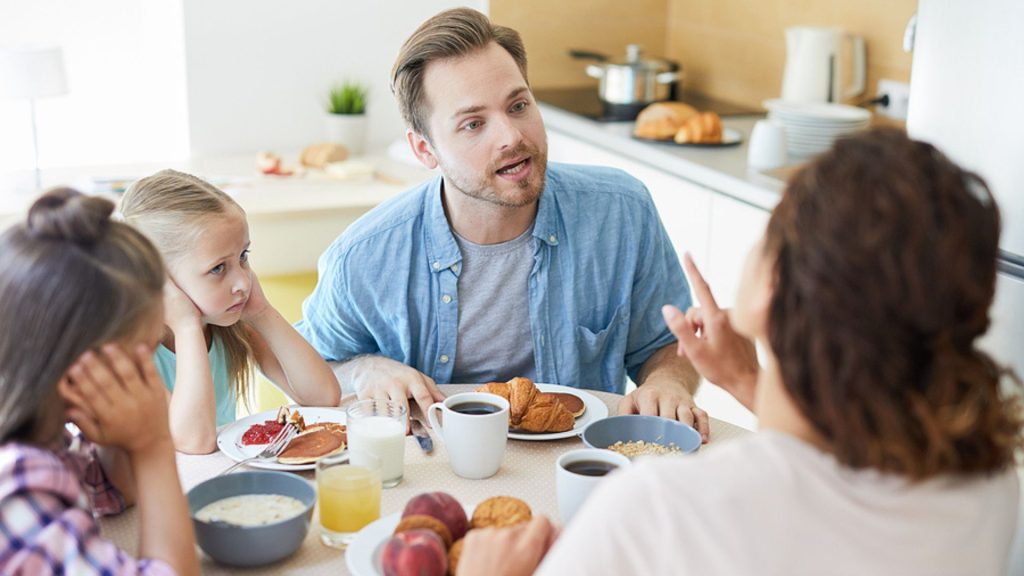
703	128
661	120
320	155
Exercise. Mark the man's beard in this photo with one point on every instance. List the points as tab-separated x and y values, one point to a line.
483	187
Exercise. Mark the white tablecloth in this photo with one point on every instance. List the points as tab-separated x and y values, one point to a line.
528	473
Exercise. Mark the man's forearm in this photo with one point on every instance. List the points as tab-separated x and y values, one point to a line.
666	365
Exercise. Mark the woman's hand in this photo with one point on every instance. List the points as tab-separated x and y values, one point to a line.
513	551
180	312
116	398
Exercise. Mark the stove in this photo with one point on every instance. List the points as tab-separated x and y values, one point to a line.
585	102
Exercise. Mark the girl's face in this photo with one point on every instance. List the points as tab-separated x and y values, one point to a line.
215	272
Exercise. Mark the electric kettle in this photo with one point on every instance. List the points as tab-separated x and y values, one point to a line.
813	57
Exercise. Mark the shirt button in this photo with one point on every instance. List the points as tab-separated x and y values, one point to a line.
455	267
446	299
444	358
437	265
553	239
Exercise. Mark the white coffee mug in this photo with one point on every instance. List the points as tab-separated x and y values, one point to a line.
767	147
474	427
578	472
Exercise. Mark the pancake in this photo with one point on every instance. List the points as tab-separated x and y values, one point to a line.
572	403
317	441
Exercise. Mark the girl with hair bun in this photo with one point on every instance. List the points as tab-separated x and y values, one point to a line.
81	309
219	325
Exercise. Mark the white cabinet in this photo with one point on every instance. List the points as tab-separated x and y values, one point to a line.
735	228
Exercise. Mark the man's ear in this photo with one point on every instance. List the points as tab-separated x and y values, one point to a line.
421	148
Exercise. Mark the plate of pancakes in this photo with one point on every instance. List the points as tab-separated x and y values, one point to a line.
585	407
322	433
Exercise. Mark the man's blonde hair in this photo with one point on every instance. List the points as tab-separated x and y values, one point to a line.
450	34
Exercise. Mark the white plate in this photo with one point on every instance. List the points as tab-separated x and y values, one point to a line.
363	555
229	439
596	410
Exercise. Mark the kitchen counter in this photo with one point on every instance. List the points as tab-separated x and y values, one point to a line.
721	169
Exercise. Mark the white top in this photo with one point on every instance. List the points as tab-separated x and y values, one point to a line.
772	504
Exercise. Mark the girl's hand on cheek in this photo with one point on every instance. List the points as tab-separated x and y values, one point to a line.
179	310
257	304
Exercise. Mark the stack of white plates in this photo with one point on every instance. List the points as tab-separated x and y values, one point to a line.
812	128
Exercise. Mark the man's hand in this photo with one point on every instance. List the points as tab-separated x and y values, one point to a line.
512	551
668	399
382	378
708	339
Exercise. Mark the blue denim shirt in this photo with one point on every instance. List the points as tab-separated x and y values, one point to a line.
603	266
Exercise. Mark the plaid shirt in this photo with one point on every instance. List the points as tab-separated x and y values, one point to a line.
46	519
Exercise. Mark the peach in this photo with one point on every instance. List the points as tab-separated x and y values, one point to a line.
442	506
414	553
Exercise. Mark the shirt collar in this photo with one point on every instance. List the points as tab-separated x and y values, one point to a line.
442	249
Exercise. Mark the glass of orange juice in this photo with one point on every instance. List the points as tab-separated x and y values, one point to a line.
348	495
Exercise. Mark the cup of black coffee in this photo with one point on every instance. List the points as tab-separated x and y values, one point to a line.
578	472
474	428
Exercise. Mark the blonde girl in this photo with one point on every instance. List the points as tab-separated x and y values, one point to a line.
80	310
218	323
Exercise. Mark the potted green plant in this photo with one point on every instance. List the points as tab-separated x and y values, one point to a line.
346	115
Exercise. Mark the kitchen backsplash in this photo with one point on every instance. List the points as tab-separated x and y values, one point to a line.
730	49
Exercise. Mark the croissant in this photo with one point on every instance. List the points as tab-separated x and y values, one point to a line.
703	128
531	410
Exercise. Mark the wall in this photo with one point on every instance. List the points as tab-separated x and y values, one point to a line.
732	49
735	49
550	28
259	70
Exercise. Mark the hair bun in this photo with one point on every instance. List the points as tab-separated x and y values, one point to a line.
67	214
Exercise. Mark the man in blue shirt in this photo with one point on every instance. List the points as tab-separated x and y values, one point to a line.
502	266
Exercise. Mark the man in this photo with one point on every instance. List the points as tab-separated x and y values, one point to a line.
500	267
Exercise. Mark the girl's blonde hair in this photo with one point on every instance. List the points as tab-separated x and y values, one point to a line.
70	280
171	207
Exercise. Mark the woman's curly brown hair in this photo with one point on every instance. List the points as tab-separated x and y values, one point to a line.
885	270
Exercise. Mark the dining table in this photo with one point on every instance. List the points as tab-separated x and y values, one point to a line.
527	472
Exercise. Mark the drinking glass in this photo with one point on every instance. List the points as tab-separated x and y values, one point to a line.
348	496
377	427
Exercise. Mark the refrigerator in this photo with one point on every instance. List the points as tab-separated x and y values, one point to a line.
967	98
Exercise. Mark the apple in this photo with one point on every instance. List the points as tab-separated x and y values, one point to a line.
415	553
442	506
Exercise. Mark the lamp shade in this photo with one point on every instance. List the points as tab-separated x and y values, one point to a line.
32	72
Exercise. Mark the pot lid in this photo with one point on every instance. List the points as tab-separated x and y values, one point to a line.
634	59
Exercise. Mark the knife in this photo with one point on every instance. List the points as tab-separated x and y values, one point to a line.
420	433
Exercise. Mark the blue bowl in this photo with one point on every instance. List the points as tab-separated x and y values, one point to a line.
633	428
251	545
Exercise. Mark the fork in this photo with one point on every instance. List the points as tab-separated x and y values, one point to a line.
275	447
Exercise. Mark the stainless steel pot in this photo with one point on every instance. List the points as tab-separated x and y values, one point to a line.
635	81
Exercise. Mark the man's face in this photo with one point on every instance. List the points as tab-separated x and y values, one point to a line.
486	132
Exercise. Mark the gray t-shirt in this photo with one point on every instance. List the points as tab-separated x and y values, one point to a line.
494	342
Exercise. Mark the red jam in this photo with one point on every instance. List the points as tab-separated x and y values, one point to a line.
261	433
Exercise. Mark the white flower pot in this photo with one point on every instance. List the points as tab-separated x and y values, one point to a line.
348	130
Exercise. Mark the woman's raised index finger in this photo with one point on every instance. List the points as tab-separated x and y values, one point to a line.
700	287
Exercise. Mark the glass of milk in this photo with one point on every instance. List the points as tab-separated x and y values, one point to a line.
377	427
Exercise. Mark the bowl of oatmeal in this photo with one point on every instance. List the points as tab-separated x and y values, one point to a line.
634	436
251	518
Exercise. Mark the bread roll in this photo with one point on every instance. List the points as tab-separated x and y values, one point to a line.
320	155
661	120
703	128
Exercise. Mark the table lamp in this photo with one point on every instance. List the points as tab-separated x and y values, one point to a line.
30	73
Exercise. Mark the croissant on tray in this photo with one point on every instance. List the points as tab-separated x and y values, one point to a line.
531	410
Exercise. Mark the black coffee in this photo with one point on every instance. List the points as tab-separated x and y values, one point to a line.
590	467
475	408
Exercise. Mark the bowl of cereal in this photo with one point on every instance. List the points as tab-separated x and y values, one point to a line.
632	435
251	518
